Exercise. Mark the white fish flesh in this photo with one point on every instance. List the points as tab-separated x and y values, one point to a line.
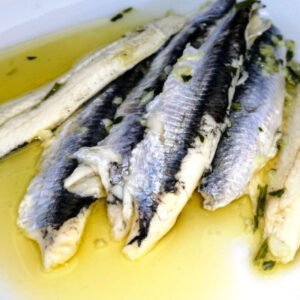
86	80
110	159
184	125
282	216
49	214
256	120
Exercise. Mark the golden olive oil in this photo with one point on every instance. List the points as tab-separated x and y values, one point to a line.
192	262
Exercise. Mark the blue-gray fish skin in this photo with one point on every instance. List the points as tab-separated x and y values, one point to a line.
49	214
251	140
82	82
184	125
111	157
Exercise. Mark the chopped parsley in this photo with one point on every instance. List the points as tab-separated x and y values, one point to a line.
118	120
127	10
269	61
293	73
226	134
268	265
31	57
116	17
120	15
290	46
277	193
183	73
12	71
262	251
139	30
54	89
235	106
186	78
263	256
231	69
260	129
277	39
201	137
261	203
279	144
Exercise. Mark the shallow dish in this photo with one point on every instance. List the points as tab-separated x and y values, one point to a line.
206	256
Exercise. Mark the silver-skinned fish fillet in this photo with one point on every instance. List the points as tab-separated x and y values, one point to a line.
282	216
103	67
110	159
184	125
282	221
256	119
48	213
17	106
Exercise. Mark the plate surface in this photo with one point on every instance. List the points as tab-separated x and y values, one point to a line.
206	256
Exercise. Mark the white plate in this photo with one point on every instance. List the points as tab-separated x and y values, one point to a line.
22	20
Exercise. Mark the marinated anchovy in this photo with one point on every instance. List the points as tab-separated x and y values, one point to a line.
282	227
110	159
184	125
255	119
19	105
85	81
282	223
49	214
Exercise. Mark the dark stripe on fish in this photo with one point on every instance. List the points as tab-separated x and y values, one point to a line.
194	33
82	130
259	107
207	95
230	46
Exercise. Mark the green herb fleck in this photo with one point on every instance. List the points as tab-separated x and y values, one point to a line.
277	39
118	120
54	89
186	78
262	251
262	257
269	61
183	73
277	193
290	46
235	106
12	71
293	73
245	3
226	134
201	137
261	202
116	17
279	144
268	265
120	15
260	129
127	10
231	69
31	57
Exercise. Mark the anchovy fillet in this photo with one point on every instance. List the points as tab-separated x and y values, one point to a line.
251	140
19	105
85	81
49	214
282	221
110	159
184	125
